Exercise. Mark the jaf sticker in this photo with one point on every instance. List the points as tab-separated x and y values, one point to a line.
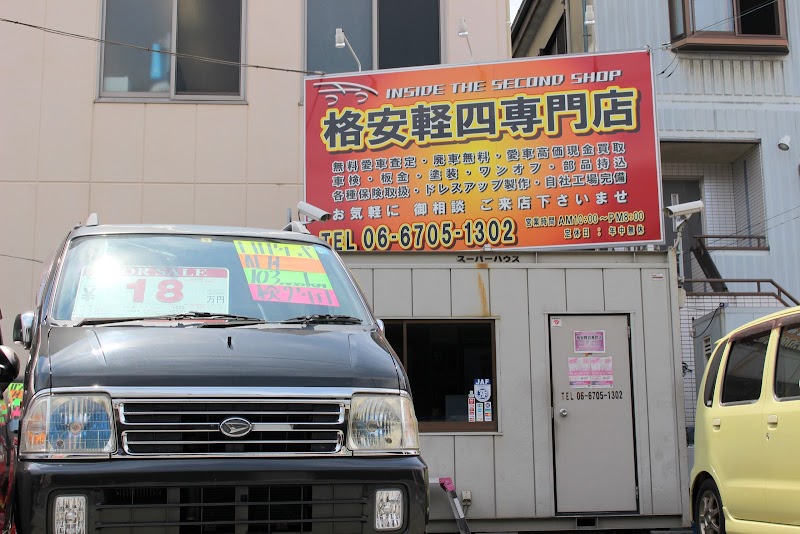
483	389
283	272
140	291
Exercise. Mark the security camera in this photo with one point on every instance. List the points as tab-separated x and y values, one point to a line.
312	212
685	209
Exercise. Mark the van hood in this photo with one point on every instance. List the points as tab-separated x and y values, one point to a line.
187	356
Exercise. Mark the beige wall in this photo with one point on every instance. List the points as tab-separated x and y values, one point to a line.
63	154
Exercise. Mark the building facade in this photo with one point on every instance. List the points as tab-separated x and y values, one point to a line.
136	135
729	123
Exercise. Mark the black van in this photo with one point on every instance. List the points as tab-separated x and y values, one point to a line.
199	379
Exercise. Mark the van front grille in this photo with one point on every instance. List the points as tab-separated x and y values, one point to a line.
192	427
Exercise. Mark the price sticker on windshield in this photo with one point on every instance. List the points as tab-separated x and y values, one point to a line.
285	272
140	291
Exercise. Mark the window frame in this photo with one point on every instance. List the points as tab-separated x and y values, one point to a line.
759	331
139	96
374	33
712	373
454	427
689	40
790	322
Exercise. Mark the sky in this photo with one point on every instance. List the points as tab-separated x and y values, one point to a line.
514	5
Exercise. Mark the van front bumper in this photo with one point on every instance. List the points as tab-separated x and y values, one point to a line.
223	495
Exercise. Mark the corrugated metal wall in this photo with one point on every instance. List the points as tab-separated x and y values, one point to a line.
510	472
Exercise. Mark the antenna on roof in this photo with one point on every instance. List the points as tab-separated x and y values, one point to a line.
92	220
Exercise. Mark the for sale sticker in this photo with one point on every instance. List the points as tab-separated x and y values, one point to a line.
142	291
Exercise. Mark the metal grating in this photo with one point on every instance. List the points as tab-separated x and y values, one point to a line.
324	509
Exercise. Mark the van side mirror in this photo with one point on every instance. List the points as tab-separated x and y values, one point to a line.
9	366
23	326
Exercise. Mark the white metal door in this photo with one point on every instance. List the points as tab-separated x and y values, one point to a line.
594	455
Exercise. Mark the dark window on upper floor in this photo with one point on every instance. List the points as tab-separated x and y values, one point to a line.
207	28
728	25
383	34
744	369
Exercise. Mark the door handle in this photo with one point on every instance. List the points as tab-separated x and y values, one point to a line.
716	423
562	412
772	421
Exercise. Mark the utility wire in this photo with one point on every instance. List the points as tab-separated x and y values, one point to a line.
734	17
710	322
740	232
20	258
166	52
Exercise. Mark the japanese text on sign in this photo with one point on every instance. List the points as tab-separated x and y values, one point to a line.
603	111
461	158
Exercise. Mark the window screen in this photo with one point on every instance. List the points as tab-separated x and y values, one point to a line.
322	19
787	366
408	33
212	29
745	368
447	362
144	23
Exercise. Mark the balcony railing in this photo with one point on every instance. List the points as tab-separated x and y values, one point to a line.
742	287
733	242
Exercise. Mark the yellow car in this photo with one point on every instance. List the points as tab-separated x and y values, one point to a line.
746	474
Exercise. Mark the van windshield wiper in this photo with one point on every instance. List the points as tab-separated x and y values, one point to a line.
239	319
320	318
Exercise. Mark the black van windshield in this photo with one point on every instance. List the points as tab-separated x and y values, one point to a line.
140	276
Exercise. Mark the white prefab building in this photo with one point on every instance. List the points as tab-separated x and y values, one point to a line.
563	454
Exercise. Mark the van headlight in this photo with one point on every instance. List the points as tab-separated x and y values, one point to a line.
59	425
382	423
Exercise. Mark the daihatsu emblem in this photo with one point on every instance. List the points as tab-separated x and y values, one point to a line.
235	427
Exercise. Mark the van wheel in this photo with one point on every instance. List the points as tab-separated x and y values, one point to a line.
708	514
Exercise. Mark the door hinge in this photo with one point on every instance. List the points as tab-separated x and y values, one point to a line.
637	493
629	331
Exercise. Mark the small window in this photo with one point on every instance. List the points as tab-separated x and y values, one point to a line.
787	365
202	28
728	24
745	368
711	374
451	367
378	32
